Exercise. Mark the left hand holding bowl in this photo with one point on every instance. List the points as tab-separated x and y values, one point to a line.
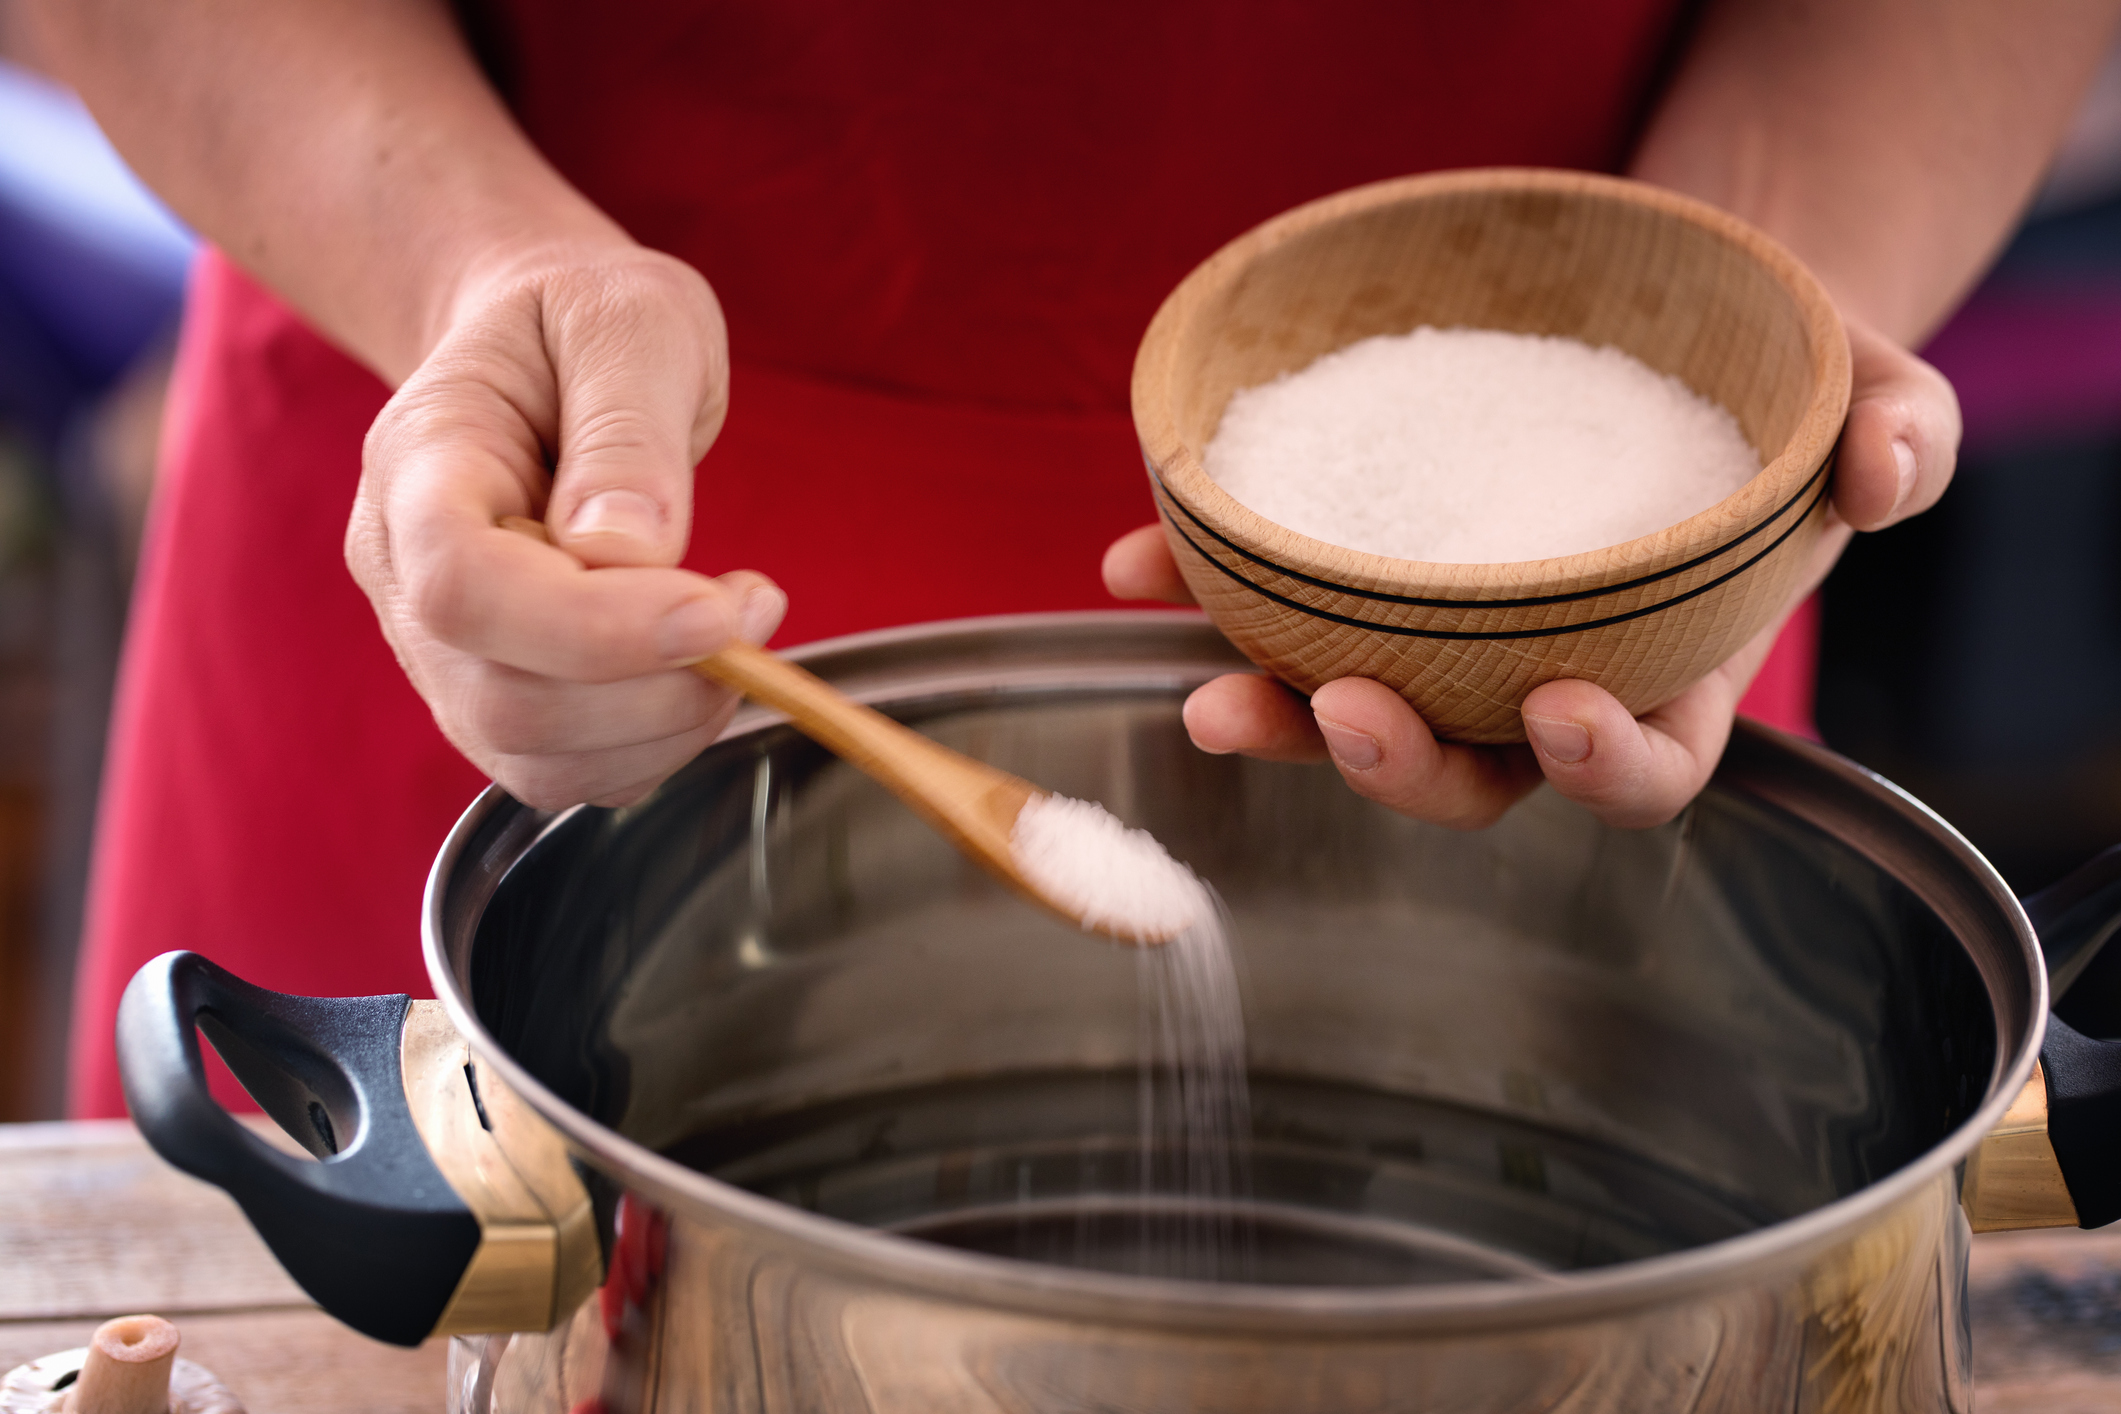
1897	452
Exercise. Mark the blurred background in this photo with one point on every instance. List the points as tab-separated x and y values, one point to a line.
91	283
1972	655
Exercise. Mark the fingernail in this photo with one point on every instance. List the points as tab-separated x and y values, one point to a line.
692	630
1358	751
1904	461
618	512
764	604
1566	741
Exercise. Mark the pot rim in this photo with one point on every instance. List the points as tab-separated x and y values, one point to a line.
1229	1308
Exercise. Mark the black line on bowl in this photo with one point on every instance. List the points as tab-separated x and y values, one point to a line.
1583	627
1534	602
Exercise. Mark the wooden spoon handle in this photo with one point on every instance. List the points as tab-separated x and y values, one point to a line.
972	803
861	734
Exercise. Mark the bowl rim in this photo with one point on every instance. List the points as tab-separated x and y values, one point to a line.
1781	485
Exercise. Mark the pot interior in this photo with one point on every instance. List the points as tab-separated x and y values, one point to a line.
1544	1047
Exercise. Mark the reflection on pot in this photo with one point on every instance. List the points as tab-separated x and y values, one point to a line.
1877	1326
1549	1117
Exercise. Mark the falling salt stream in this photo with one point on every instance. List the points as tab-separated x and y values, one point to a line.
1460	445
1194	1104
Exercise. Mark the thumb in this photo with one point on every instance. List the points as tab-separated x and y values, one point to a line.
640	361
1902	436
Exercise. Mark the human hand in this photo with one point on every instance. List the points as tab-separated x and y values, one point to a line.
558	669
1896	457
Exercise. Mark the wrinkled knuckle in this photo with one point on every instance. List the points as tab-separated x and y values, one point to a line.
413	416
366	549
380	443
624	429
662	279
651	301
440	599
639	291
659	282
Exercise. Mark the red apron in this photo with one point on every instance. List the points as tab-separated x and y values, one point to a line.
938	231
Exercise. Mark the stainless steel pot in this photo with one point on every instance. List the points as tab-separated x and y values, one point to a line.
1549	1117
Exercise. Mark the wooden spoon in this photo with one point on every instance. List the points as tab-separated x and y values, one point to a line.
971	804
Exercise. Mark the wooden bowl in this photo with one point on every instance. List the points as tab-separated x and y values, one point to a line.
1686	288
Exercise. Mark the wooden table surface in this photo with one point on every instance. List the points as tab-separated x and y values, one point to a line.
92	1225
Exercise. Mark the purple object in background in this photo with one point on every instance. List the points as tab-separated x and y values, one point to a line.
1973	653
92	267
92	279
2036	351
2035	361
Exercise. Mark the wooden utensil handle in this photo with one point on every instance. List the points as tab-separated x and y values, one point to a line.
962	797
860	734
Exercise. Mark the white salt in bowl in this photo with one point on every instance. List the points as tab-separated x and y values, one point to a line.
1690	290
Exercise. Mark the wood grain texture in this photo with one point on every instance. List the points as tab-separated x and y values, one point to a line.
110	1229
2046	1305
2013	1179
538	1257
1687	289
93	1225
277	1362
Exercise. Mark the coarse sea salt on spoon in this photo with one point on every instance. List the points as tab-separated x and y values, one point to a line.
1115	879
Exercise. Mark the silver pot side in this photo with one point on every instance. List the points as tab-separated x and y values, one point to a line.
1722	998
1875	1325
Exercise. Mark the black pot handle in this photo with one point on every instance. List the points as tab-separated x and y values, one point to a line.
370	1228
